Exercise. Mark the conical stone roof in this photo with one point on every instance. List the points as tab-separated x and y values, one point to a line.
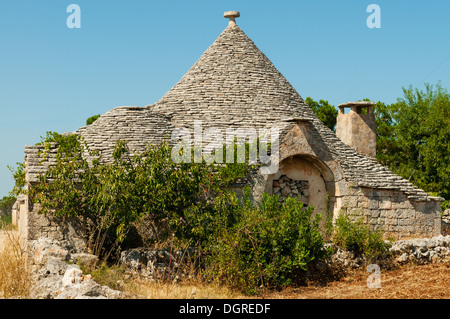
232	84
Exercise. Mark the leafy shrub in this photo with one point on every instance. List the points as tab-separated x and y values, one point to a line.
18	174
356	236
445	205
116	195
256	247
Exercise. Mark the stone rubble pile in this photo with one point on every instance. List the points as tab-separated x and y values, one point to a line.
422	251
54	277
154	264
416	251
286	187
446	216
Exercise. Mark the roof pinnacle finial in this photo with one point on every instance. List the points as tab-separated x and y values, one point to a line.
232	15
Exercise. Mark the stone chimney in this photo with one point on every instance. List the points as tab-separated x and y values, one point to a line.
357	128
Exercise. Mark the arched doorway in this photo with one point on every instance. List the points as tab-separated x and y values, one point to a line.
308	178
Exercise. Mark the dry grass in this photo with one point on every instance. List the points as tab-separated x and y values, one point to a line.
6	223
14	271
400	282
406	282
137	288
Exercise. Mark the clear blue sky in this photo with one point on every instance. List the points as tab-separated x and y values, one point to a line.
53	78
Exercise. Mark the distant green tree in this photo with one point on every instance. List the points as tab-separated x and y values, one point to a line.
326	112
92	119
6	204
18	174
413	138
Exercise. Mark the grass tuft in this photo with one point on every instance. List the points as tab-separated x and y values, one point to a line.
15	274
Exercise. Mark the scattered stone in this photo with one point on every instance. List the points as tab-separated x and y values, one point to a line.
285	191
53	277
403	258
417	251
286	187
154	264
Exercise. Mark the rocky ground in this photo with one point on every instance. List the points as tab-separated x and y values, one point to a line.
56	276
416	268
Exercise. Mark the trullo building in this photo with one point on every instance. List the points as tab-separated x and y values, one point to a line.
233	85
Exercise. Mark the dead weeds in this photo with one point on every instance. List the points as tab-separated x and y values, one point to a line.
404	282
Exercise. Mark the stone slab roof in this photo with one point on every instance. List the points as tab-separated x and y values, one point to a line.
233	84
136	125
36	163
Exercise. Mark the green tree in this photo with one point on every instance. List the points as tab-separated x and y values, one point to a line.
92	119
19	177
326	112
6	204
413	137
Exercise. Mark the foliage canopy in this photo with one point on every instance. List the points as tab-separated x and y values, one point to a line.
413	138
326	112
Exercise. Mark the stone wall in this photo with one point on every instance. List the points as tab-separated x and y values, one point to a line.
154	263
392	211
70	230
32	224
